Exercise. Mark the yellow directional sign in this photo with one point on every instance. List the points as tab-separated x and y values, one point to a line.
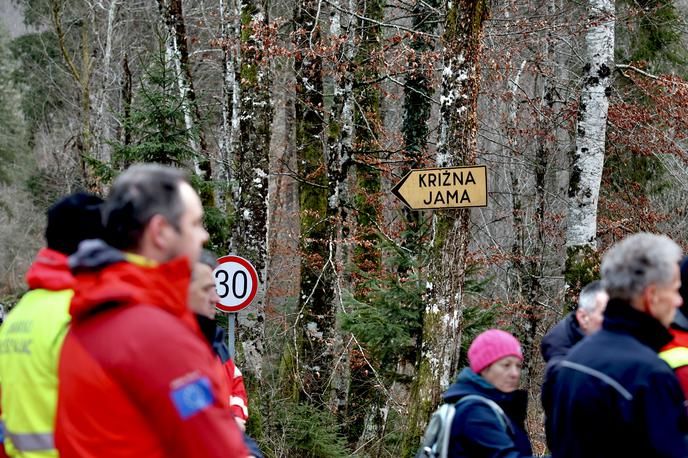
448	187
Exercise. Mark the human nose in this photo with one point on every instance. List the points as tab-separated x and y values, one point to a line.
214	297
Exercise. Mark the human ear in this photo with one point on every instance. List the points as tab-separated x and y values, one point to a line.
159	231
649	299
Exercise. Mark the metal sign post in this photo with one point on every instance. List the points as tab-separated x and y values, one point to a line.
231	323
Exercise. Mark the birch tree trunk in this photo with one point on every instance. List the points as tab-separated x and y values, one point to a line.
339	164
177	50
102	123
588	158
230	141
457	146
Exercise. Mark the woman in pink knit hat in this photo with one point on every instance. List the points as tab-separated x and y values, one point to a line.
490	409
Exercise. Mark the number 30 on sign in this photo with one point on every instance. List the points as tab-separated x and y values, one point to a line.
236	282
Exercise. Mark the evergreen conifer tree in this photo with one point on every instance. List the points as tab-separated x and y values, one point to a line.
156	119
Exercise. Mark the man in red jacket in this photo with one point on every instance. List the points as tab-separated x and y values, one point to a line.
136	377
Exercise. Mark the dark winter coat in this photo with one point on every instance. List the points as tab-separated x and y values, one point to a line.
612	396
555	346
476	429
561	338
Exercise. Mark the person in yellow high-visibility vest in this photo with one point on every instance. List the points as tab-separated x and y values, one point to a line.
32	334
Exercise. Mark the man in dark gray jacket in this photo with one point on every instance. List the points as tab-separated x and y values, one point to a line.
584	321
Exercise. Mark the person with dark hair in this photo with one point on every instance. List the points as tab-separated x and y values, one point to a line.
136	377
31	336
676	352
612	395
202	301
490	411
145	213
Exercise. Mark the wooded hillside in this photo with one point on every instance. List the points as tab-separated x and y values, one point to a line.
295	120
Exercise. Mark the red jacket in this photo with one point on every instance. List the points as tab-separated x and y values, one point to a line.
136	378
676	355
50	271
238	399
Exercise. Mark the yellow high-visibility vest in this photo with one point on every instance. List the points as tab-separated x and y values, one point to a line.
676	357
30	342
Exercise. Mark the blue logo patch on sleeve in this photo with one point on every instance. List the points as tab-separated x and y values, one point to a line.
192	397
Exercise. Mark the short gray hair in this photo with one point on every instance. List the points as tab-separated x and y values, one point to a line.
587	300
638	261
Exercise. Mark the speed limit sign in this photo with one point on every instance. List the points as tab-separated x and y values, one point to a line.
236	283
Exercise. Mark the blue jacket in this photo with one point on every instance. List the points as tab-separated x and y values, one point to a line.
476	430
613	397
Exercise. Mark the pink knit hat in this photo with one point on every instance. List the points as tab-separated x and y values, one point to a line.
491	346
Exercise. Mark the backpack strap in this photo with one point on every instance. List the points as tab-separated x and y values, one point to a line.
498	411
435	442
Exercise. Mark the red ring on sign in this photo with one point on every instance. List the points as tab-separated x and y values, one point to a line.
254	278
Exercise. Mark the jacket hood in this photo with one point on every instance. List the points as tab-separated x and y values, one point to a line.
468	382
50	270
105	279
620	316
561	338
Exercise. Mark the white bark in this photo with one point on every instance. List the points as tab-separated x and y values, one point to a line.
227	84
174	57
231	91
455	97
343	90
588	159
338	160
101	123
233	65
172	50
